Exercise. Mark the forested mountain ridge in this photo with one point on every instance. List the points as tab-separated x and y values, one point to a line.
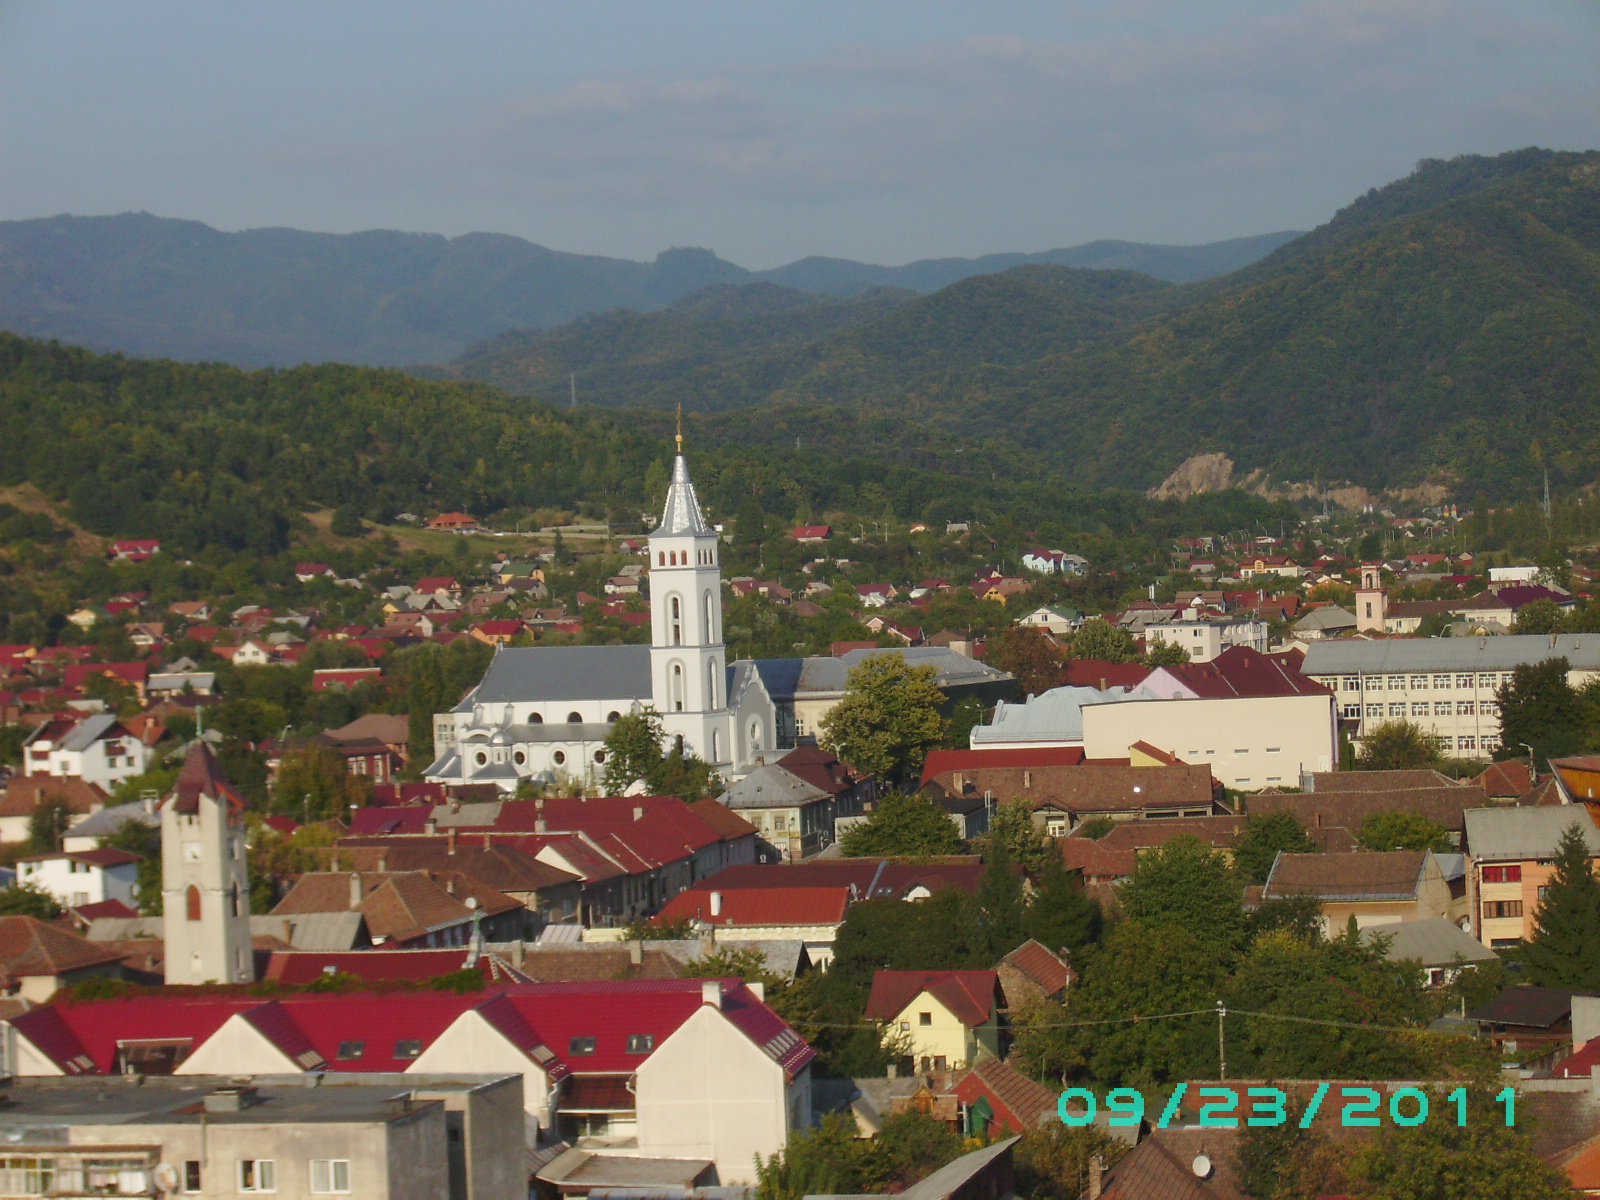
214	460
157	287
734	346
1446	326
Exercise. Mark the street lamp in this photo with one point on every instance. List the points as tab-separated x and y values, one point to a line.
1532	769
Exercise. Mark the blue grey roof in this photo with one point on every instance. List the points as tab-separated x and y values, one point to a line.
535	673
1057	713
88	731
780	676
1516	834
771	787
108	820
1581	650
1434	942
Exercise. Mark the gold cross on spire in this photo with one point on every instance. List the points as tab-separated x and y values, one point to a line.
680	428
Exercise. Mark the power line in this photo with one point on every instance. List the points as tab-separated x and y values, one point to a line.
1197	1012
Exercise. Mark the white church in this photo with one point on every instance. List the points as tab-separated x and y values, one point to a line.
543	713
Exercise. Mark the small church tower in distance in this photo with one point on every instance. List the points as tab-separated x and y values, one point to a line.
205	890
1372	601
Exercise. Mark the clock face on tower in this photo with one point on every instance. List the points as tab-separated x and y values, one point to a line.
191	852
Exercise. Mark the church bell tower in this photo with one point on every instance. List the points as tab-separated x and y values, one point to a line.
688	662
205	888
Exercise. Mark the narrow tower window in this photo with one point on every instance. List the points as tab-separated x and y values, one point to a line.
191	901
677	623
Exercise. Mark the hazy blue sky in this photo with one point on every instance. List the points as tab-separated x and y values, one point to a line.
884	131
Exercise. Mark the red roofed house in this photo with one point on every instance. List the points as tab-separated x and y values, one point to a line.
810	535
942	1019
307	571
343	677
797	913
136	550
1031	972
1001	1098
438	585
36	959
500	633
135	674
687	1068
454	522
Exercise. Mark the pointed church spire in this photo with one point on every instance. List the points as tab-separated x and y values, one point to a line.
682	513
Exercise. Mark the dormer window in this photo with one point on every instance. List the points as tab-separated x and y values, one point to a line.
408	1048
641	1043
580	1045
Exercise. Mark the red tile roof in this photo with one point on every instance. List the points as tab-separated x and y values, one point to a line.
969	995
82	1038
1018	1102
299	967
1099	673
1041	966
102	857
202	775
763	906
29	946
1241	671
940	761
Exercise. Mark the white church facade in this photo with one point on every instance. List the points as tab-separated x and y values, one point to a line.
543	713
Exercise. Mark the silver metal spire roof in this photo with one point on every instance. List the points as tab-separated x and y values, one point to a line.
682	514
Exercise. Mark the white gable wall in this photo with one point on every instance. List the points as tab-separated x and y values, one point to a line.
473	1046
237	1048
708	1091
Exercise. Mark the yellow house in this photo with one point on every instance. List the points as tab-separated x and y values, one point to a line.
944	1019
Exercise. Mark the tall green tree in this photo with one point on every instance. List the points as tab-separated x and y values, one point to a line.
1397	746
994	917
1188	884
313	785
28	900
1031	657
1564	951
903	826
633	752
889	718
1100	639
1540	708
1060	916
1264	836
48	824
1403	831
1538	616
1025	842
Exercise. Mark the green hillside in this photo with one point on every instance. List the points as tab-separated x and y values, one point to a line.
730	347
1446	327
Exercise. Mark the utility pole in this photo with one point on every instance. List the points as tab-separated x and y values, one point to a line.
1222	1048
572	388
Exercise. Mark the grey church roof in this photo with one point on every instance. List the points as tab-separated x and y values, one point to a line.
529	674
1581	650
1502	834
829	675
682	513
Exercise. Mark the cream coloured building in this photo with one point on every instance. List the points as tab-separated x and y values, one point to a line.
1446	685
942	1019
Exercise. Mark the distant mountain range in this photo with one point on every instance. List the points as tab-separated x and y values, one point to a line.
1444	327
156	287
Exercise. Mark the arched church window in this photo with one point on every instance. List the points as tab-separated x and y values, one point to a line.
677	622
661	558
559	757
519	757
233	899
535	719
574	718
711	684
710	626
677	687
716	746
613	717
191	902
600	756
481	758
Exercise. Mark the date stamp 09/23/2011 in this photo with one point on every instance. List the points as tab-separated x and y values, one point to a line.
1268	1107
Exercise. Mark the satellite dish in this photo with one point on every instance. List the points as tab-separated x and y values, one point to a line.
1202	1167
166	1177
472	902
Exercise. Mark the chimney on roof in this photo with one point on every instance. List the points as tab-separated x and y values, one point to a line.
355	889
450	884
716	904
455	804
1097	1167
1102	683
541	826
711	992
430	826
383	862
450	840
638	813
636	952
